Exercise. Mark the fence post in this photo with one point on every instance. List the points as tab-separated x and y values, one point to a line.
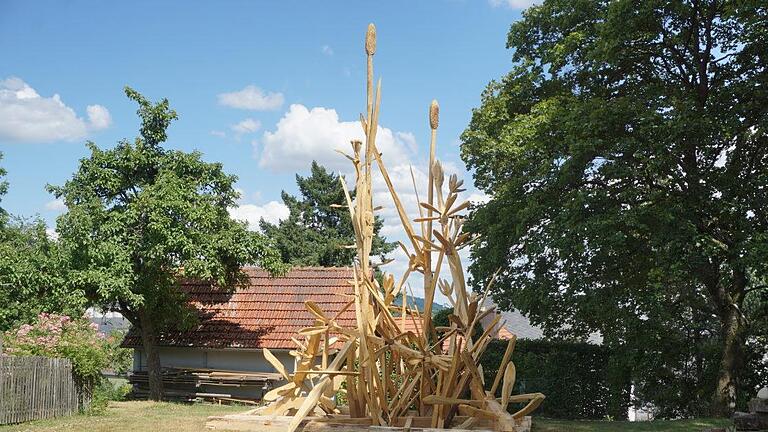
34	388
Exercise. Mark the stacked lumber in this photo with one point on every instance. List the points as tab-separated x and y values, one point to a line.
189	384
428	377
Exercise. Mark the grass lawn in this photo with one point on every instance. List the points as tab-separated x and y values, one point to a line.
157	417
696	425
133	416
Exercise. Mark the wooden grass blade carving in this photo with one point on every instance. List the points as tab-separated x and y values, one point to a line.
429	377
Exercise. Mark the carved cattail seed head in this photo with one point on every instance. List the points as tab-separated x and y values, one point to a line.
445	287
437	174
370	40
434	115
356	145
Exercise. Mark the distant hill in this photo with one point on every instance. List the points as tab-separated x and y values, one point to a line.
419	302
109	322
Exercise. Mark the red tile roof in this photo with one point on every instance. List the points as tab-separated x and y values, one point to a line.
264	312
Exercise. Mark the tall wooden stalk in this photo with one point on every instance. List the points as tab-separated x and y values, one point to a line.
429	376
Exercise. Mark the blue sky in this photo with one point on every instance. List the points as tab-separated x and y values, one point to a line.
259	86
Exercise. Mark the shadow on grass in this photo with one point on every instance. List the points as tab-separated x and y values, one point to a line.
692	425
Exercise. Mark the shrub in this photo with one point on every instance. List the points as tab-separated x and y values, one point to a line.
440	319
677	378
75	339
120	359
580	380
107	391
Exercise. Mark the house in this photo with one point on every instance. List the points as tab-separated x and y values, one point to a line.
235	326
524	329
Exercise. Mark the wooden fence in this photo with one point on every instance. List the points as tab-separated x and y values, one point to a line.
34	388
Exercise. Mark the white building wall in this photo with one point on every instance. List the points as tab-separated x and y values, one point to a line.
225	360
233	360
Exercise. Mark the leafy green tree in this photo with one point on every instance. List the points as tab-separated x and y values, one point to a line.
141	216
317	232
33	275
3	191
31	271
626	153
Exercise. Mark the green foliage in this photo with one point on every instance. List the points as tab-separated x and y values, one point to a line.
316	232
120	359
440	319
626	157
694	425
105	392
756	308
31	271
32	275
675	376
61	336
3	191
580	380
140	216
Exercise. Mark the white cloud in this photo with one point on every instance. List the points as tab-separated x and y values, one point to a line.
25	116
722	158
409	140
51	233
271	212
246	126
327	50
306	134
56	205
478	197
218	133
403	182
514	4
252	98
98	116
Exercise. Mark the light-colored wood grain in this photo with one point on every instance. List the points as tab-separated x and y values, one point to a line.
418	379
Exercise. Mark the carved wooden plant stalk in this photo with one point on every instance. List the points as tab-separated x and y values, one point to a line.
429	376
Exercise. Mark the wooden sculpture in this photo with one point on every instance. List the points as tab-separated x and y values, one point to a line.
390	377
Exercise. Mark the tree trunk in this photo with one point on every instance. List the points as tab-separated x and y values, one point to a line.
154	372
731	333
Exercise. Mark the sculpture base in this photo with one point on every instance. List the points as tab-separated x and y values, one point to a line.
756	419
248	422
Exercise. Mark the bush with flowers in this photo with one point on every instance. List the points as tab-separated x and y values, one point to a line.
76	339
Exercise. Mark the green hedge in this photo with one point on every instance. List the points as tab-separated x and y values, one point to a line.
580	380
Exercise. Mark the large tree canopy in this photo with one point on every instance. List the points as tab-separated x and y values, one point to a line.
626	155
317	232
3	191
31	271
140	216
33	275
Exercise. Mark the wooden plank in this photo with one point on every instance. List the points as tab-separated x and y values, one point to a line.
503	364
510	373
317	391
237	422
405	376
